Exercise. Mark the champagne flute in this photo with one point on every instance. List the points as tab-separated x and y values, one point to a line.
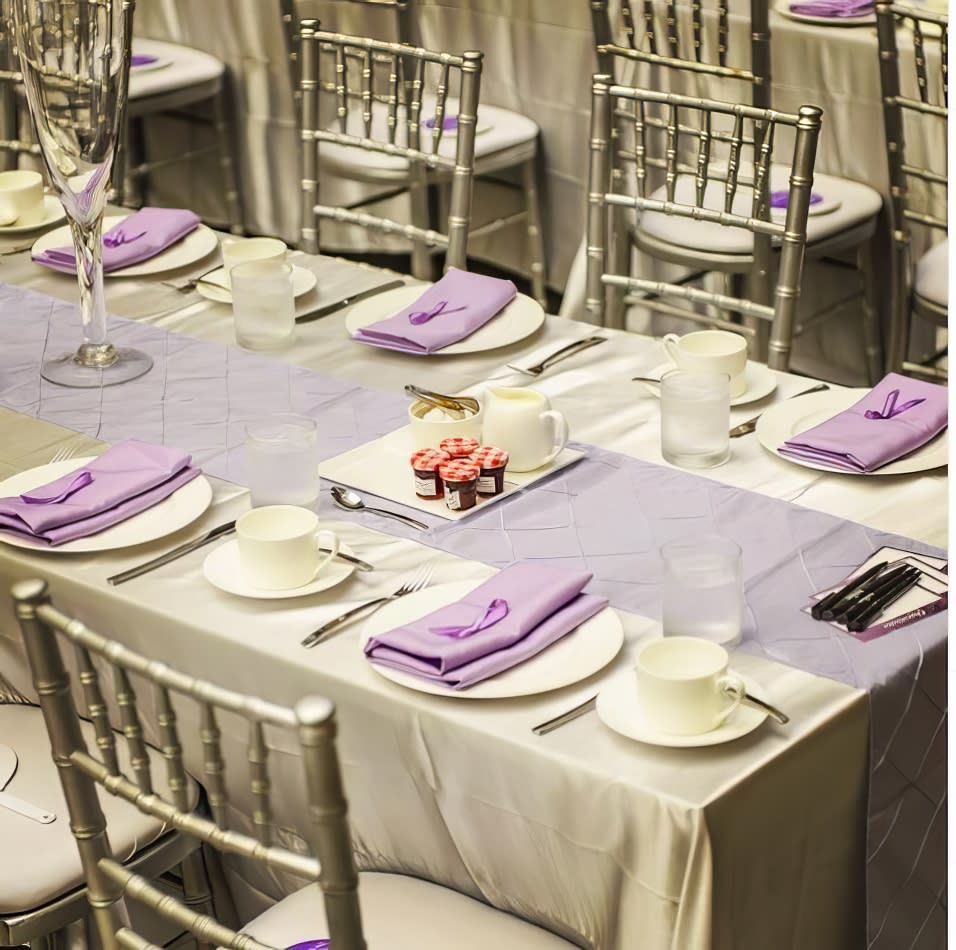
75	55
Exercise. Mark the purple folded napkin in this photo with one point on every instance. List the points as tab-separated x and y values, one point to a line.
781	199
142	59
833	8
895	418
125	480
447	312
509	618
137	238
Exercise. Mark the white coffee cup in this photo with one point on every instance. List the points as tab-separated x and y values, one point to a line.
522	422
428	425
711	351
683	685
251	249
21	197
279	547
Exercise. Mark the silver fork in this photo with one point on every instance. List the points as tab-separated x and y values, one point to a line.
418	581
576	347
10	695
62	454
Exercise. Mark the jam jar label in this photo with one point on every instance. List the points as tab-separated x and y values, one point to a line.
453	499
426	484
486	485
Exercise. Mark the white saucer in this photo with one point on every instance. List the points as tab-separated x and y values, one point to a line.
303	281
619	708
53	212
761	382
221	569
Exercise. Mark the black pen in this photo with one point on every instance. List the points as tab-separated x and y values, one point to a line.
831	600
872	592
861	622
864	594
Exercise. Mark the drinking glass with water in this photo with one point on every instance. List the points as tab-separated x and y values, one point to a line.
282	461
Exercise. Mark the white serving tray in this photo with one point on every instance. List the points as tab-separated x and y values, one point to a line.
382	468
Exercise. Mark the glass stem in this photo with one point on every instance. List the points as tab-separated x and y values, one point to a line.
95	351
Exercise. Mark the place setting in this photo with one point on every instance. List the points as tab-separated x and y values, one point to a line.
25	205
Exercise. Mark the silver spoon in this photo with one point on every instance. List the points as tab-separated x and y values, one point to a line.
352	501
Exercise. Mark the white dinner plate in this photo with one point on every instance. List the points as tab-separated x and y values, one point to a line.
761	382
303	281
196	245
789	418
783	9
619	708
574	657
516	321
53	212
221	569
181	508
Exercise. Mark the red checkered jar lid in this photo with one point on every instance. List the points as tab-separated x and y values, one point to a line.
489	456
459	470
428	460
458	446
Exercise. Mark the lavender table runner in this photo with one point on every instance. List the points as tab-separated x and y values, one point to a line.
609	514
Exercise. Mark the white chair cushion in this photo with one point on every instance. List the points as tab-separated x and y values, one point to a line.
498	130
405	913
932	275
47	863
858	202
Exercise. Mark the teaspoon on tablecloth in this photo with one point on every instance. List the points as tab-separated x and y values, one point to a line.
352	501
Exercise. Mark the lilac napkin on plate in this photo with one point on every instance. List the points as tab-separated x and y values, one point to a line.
895	418
833	8
137	238
447	312
142	59
503	622
125	480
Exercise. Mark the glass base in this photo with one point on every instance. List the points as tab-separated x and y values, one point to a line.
93	367
696	460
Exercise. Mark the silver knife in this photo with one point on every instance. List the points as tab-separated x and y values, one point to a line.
172	555
357	561
542	729
348	301
751	424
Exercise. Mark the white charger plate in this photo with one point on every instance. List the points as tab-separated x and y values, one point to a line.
517	320
181	508
574	657
783	8
761	382
303	280
619	708
53	212
221	569
789	418
196	245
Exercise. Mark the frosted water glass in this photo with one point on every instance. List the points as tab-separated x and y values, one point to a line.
282	461
703	591
695	419
263	304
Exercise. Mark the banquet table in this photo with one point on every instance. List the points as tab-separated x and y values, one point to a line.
611	843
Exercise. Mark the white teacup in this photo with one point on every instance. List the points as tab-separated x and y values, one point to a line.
279	547
683	685
251	249
21	197
522	422
711	351
427	425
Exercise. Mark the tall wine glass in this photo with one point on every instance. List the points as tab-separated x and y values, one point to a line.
74	55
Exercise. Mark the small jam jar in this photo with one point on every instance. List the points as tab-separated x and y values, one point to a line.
458	446
425	465
491	462
461	481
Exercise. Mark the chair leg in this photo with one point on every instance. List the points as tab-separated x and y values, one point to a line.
57	940
619	260
226	144
535	236
197	895
138	169
422	267
872	331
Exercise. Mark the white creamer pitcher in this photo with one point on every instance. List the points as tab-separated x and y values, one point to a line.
522	422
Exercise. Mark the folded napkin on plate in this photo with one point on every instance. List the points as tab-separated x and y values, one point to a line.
137	238
895	418
125	480
834	8
142	59
447	312
506	620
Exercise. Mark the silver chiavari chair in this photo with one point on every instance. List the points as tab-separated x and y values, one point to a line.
396	910
659	124
382	94
13	116
918	193
692	49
